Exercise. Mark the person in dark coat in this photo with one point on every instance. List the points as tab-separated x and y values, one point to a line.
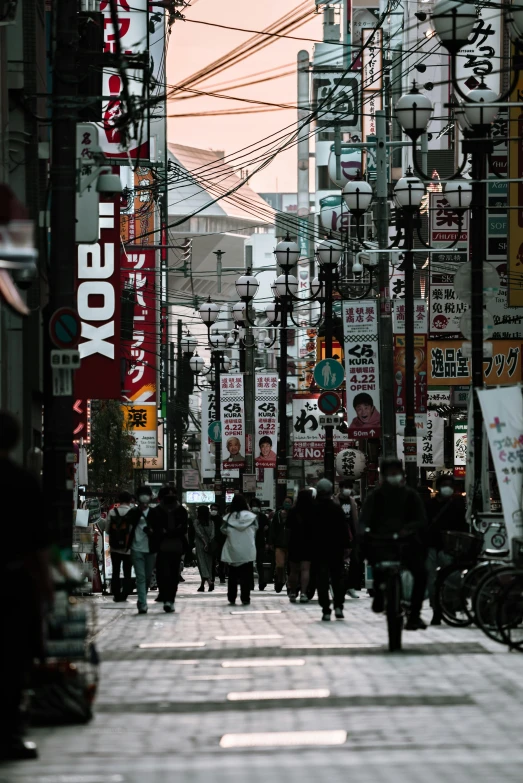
446	511
331	540
300	546
144	542
169	524
219	568
394	508
279	541
261	542
353	578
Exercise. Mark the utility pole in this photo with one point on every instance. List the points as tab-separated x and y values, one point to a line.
249	343
281	470
58	410
388	416
410	437
217	356
179	418
328	459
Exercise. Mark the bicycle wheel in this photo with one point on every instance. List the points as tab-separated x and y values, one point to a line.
509	613
486	601
394	613
471	581
449	598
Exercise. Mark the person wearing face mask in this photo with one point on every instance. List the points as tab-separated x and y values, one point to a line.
394	508
169	522
204	530
261	542
143	542
278	540
350	509
219	567
445	511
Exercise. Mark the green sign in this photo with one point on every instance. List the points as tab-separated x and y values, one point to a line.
215	431
497	225
329	374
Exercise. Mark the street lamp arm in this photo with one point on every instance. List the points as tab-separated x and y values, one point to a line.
425	177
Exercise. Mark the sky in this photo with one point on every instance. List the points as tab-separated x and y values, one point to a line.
193	46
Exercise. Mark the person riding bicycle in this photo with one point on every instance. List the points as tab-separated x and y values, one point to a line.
394	508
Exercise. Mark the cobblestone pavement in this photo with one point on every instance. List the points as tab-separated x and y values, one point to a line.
199	705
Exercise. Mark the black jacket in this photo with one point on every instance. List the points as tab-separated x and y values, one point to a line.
152	528
388	510
300	534
261	533
330	535
278	531
445	514
160	525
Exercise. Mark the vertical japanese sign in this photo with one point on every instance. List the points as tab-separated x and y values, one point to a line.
430	440
503	416
98	306
208	461
420	373
142	423
266	420
372	69
445	224
133	142
515	193
460	448
308	440
360	334
481	57
445	309
420	316
232	416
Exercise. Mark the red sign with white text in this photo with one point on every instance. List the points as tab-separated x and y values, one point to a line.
138	274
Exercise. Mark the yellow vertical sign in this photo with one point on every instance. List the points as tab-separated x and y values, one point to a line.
515	200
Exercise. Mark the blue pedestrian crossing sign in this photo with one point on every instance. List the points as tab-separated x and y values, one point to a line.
215	431
329	374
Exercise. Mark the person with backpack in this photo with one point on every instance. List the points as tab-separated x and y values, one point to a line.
169	521
144	542
118	528
239	551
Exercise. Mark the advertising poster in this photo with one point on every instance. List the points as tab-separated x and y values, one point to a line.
430	439
445	309
460	448
232	416
420	373
420	316
142	422
447	366
308	435
360	332
207	448
445	225
266	420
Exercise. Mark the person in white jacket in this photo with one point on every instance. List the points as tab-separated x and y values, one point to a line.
239	527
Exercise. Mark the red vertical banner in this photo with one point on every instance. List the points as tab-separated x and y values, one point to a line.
140	353
98	292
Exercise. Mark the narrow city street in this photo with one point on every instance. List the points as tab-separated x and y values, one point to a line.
269	692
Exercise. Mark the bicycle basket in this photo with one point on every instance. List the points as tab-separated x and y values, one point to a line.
462	545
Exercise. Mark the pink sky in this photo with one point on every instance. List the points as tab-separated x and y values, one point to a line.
193	46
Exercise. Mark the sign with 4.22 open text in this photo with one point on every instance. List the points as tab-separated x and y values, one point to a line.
360	332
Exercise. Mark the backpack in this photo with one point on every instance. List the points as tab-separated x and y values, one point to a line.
119	529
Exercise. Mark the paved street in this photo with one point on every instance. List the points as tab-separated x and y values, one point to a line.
190	694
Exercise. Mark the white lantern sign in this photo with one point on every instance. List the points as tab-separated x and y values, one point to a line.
351	463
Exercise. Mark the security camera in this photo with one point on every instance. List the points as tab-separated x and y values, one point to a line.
109	183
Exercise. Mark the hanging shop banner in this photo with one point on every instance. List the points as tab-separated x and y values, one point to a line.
142	423
266	419
438	396
208	446
82	421
420	373
420	316
308	435
396	282
360	333
138	209
460	448
430	439
98	304
140	353
445	225
336	98
133	33
480	59
445	309
448	366
515	199
152	463
371	56
232	415
503	415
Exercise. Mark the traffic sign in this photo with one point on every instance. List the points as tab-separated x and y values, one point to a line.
328	374
329	402
65	327
215	431
329	421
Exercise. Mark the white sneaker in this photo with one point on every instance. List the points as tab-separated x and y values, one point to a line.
352	593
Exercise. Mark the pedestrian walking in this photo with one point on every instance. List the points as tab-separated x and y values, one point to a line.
26	589
261	542
394	508
204	533
118	528
144	542
445	512
350	509
169	522
300	546
219	540
239	550
279	542
331	542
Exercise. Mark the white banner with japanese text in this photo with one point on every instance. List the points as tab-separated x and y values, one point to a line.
360	333
208	446
232	415
266	419
420	316
503	416
429	439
